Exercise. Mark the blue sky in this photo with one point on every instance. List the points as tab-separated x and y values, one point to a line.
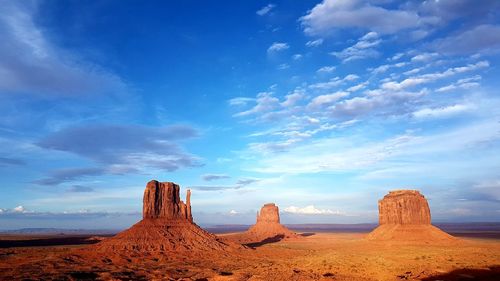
319	106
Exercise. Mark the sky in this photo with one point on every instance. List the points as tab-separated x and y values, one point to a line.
319	106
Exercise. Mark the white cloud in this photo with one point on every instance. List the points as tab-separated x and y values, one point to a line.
297	57
377	101
240	101
426	78
233	212
326	69
314	43
413	71
358	87
283	66
293	98
19	209
265	102
324	100
266	9
278	46
465	83
333	14
424	57
355	153
364	48
396	56
351	77
385	67
311	210
440	112
334	82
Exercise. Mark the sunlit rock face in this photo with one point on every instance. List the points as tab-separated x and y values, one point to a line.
404	207
405	217
161	200
268	225
167	226
269	213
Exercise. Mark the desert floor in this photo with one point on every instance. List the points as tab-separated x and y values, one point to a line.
318	256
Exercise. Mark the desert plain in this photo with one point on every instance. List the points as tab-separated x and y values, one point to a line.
168	245
318	256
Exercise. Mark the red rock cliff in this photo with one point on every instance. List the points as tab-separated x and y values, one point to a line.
161	200
269	213
404	207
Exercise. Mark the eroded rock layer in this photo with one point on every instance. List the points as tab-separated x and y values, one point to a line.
404	207
161	200
404	216
267	228
167	226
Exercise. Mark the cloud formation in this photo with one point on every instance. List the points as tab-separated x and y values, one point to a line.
117	149
440	112
310	210
265	10
211	177
278	46
430	77
30	64
329	15
480	39
314	43
59	176
364	48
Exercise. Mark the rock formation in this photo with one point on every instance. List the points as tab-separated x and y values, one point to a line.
404	207
404	215
267	228
161	200
269	213
167	226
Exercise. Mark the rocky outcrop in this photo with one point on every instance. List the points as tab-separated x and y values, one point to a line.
167	226
269	213
404	207
161	200
404	216
267	228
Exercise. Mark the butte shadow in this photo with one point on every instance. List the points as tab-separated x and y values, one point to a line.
404	216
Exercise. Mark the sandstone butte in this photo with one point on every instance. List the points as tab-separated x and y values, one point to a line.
267	228
167	226
404	216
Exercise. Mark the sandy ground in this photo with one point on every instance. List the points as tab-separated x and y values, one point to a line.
322	256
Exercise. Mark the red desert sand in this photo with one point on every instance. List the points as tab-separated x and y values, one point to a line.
167	245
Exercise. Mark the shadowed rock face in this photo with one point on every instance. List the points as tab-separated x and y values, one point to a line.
404	207
161	200
269	213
